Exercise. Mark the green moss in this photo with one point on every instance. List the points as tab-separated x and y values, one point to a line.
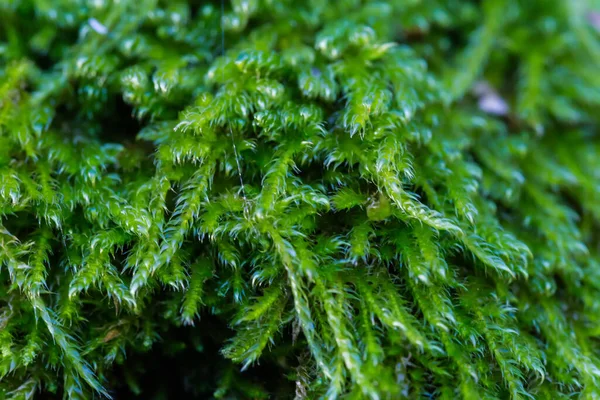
367	199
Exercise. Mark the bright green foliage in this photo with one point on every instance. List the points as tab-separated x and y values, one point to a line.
368	199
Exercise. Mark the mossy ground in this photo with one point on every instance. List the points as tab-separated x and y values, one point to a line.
339	199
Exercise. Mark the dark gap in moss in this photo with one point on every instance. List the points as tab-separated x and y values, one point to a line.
186	363
15	223
570	199
118	124
46	60
196	6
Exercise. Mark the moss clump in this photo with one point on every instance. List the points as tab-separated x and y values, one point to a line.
372	199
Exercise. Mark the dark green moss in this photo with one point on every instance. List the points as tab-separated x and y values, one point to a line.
256	198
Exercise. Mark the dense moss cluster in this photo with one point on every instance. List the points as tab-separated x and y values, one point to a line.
358	199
